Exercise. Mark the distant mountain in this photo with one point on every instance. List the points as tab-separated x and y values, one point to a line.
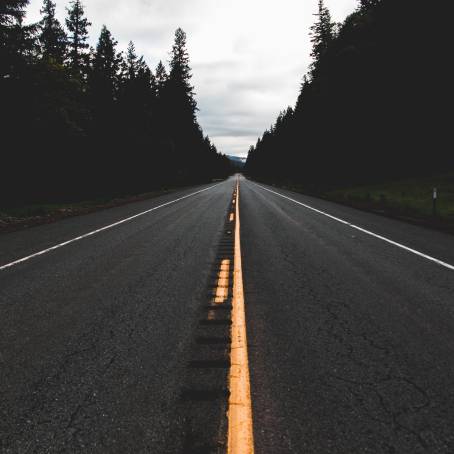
237	161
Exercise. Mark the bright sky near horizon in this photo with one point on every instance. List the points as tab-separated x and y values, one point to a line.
248	56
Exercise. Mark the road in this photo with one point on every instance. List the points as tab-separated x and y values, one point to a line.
115	342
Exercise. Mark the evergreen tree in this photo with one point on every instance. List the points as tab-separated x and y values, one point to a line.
180	76
52	37
137	84
181	134
145	78
77	25
23	41
11	11
11	14
367	4
131	61
301	96
144	87
322	33
116	109
106	65
159	110
161	78
137	93
122	69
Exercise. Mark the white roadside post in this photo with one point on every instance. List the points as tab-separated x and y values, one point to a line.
434	201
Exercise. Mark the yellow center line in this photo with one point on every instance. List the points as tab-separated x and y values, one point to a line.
240	432
232	217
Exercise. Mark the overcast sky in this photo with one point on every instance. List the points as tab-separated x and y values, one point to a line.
248	56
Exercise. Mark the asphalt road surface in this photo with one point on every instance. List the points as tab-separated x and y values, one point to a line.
350	335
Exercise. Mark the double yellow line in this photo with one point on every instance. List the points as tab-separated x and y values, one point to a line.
240	433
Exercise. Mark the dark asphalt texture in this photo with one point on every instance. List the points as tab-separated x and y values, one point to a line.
351	339
94	336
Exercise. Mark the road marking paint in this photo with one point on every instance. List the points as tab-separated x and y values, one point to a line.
223	282
73	240
232	217
368	232
240	431
222	286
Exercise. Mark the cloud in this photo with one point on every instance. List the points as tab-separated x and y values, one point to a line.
248	56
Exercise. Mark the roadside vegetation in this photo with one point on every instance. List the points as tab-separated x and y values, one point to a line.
16	218
81	122
371	113
410	199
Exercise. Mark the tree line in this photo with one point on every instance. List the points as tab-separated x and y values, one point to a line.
82	122
372	107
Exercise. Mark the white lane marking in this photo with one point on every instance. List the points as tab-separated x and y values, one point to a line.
65	243
368	232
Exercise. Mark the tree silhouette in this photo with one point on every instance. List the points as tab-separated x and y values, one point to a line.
52	37
146	83
139	85
322	33
12	34
131	61
79	123
77	25
161	78
366	112
11	13
366	4
180	76
106	65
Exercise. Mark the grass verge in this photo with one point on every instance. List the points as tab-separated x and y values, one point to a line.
13	219
409	200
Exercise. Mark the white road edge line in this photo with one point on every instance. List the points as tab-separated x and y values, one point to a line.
81	237
368	232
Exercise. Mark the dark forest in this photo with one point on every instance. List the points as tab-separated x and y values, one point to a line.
81	122
373	106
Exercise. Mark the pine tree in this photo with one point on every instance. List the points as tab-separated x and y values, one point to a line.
179	110
138	91
135	71
304	88
367	4
161	78
52	37
105	68
145	87
322	33
11	14
122	68
24	40
78	26
144	75
131	61
180	74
